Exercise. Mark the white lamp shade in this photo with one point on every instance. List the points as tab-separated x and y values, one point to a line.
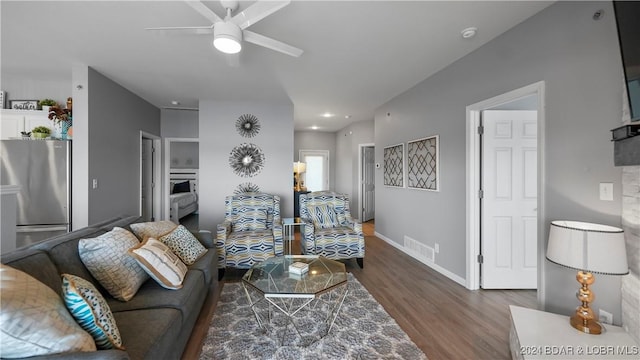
588	247
227	37
299	167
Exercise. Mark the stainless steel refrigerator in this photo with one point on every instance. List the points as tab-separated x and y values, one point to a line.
42	169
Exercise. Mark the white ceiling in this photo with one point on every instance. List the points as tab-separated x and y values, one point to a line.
357	54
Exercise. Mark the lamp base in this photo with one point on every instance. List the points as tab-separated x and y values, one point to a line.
591	327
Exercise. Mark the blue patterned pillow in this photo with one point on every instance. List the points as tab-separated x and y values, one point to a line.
324	217
91	311
250	219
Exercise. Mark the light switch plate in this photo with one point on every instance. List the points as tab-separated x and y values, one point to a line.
606	191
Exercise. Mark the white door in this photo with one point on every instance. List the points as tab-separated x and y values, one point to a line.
316	177
509	202
368	184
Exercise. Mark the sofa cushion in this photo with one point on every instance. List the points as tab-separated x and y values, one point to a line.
151	333
182	242
107	259
88	307
160	263
251	218
153	229
208	266
324	216
151	295
34	319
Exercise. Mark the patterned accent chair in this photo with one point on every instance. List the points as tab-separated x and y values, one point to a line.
329	229
251	231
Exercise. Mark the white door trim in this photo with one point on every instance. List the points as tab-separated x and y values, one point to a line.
157	173
360	179
473	180
167	167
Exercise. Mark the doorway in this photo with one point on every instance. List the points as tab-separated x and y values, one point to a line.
366	179
501	154
181	164
149	177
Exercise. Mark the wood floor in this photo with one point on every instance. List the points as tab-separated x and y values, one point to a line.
444	319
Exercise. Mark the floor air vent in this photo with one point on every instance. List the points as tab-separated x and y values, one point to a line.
419	250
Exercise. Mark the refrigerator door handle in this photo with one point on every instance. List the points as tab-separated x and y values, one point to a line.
29	229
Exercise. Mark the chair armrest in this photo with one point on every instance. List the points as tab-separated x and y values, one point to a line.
278	244
308	241
223	230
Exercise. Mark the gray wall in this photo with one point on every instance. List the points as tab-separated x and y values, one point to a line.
179	123
317	140
115	118
579	60
348	142
218	137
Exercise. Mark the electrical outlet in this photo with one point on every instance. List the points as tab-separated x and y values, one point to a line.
437	248
605	317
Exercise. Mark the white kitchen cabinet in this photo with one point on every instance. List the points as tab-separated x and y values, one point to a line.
13	122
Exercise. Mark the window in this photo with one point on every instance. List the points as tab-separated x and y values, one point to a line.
316	178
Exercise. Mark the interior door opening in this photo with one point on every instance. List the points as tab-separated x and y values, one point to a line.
366	190
519	159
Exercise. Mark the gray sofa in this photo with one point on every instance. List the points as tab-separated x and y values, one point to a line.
156	323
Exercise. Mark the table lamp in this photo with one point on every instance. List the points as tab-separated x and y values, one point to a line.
588	248
298	168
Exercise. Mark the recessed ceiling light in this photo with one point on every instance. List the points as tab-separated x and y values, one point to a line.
347	116
314	127
468	33
174	102
328	115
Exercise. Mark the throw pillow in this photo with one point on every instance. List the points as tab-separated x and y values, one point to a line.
324	217
91	311
182	187
153	229
160	263
182	242
250	219
107	259
34	319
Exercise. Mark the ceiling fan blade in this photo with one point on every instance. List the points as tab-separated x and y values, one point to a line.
270	43
197	30
204	10
257	12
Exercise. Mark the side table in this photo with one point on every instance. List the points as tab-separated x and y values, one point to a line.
542	335
288	228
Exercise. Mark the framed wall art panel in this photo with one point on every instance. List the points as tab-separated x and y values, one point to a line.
394	165
423	163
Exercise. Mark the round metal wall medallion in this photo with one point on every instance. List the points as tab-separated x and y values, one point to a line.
246	160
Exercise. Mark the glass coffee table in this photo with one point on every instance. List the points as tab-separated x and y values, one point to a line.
320	292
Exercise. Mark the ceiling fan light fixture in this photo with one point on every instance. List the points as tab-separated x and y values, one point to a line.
227	37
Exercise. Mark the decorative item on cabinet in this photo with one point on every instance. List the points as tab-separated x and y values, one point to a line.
24	104
3	99
46	104
298	168
41	132
62	119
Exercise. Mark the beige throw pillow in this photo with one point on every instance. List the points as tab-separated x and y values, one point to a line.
160	263
153	229
34	319
108	260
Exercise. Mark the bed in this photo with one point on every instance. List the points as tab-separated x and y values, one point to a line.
183	194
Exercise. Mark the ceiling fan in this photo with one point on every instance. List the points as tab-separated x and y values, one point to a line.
228	33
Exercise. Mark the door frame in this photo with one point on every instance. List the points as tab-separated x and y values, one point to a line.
360	178
473	180
166	171
157	174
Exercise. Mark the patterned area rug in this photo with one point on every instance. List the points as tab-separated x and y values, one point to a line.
362	330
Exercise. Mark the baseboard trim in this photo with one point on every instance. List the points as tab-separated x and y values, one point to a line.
459	280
